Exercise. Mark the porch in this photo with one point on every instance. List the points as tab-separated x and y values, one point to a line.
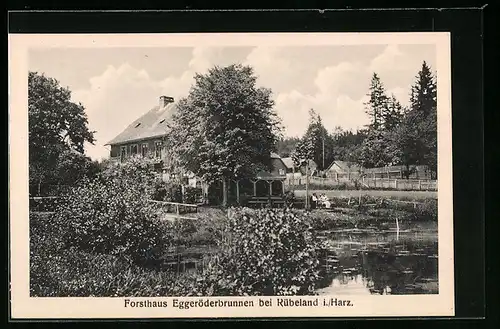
259	191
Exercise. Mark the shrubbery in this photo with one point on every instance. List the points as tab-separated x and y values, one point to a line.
428	210
112	217
192	194
265	252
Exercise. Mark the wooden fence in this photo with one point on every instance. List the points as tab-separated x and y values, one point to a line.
366	183
176	208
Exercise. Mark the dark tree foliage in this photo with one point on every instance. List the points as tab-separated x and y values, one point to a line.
226	128
285	146
424	109
414	140
58	130
322	141
377	105
347	145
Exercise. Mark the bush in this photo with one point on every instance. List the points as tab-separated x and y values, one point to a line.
140	171
74	273
265	252
290	198
426	211
192	194
113	218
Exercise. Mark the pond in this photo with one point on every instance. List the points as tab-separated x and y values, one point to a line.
372	262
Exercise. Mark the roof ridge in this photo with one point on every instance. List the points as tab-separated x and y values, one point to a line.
149	125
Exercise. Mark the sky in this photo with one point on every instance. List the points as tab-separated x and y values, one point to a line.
117	85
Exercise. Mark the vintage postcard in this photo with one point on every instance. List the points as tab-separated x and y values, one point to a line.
230	175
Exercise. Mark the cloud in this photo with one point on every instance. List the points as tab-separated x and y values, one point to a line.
115	98
120	94
338	99
273	69
340	90
337	91
393	59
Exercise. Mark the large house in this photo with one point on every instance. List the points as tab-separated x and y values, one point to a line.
145	137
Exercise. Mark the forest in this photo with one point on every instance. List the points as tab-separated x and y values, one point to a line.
396	135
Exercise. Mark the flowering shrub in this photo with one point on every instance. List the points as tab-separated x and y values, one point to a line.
264	252
112	217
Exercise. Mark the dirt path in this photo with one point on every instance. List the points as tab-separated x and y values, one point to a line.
375	193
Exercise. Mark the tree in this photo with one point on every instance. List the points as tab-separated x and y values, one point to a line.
347	145
393	114
57	127
375	150
303	154
377	105
286	146
424	109
226	128
407	145
322	142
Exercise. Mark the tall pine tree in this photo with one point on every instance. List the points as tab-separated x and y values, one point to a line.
377	105
384	115
423	107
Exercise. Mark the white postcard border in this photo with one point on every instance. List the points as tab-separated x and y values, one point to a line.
24	306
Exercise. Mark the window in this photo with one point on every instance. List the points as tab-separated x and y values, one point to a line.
144	150
123	152
282	171
158	146
133	149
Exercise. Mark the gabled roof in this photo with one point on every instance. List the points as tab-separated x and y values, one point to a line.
345	166
288	162
154	123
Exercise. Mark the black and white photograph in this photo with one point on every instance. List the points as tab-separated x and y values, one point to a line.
246	174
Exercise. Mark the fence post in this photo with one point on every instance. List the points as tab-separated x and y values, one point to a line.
419	185
395	183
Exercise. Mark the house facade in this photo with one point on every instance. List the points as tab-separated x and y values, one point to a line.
145	137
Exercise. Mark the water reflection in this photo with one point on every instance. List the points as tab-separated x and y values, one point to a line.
359	262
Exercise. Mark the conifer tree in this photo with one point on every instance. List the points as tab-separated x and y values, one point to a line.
377	105
424	110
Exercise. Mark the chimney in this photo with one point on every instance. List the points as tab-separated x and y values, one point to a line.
164	100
